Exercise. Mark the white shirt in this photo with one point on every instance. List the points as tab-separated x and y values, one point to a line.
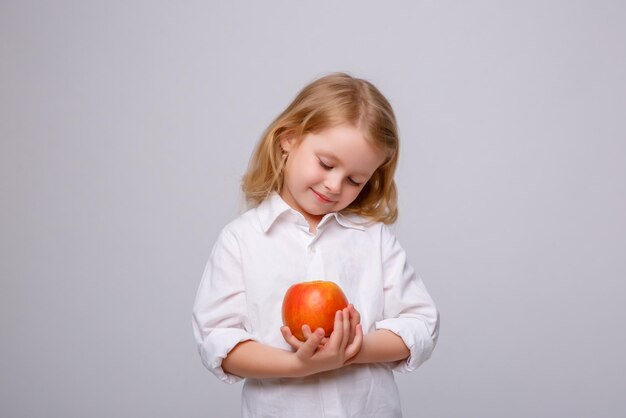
259	255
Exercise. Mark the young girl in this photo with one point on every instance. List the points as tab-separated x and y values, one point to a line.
321	186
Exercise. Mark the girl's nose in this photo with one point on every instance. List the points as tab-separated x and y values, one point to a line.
333	183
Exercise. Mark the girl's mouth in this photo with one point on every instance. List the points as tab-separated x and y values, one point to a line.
321	197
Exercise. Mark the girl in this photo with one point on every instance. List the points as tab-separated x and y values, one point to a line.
322	190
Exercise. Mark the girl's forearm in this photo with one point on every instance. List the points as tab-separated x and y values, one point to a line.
256	360
381	346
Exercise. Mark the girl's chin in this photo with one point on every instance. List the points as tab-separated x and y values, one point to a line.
315	209
316	212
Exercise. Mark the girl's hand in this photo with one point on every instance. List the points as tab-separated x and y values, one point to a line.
296	343
355	319
313	357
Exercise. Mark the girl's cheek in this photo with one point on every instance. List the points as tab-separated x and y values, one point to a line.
317	171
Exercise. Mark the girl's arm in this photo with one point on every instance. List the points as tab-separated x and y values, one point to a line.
408	309
253	359
381	346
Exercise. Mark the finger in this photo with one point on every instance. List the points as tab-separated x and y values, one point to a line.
306	331
307	349
355	316
290	338
345	313
337	335
324	341
355	346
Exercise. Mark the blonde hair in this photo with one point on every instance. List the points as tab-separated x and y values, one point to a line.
329	101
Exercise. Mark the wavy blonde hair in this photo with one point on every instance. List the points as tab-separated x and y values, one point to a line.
332	100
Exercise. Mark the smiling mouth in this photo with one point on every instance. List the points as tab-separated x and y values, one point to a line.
322	198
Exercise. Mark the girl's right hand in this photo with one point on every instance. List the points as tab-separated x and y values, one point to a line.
313	357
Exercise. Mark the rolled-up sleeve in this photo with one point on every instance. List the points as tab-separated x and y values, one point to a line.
219	317
409	310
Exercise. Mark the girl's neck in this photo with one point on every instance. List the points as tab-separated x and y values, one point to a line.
313	222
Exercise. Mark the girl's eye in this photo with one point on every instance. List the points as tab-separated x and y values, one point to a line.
324	166
330	167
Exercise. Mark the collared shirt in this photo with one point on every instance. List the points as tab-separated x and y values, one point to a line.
259	255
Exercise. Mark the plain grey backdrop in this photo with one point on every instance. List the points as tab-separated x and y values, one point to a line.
126	127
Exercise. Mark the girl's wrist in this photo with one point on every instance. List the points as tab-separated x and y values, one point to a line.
299	368
358	358
295	367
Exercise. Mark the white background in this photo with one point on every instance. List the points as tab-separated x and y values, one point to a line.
125	128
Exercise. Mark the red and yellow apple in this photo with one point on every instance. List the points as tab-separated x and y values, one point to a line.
312	303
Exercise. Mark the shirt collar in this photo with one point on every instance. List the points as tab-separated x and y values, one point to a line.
274	206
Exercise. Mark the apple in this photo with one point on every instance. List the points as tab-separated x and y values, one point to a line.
313	303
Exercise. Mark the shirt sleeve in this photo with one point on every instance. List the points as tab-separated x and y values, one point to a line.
219	318
409	311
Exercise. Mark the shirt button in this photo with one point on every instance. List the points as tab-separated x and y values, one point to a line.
312	250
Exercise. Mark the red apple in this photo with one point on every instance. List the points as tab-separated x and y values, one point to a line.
312	303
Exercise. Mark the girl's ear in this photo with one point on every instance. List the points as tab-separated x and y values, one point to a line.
287	142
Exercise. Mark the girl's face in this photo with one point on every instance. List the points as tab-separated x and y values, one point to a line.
326	171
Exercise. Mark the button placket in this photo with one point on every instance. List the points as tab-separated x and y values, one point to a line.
315	268
312	248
